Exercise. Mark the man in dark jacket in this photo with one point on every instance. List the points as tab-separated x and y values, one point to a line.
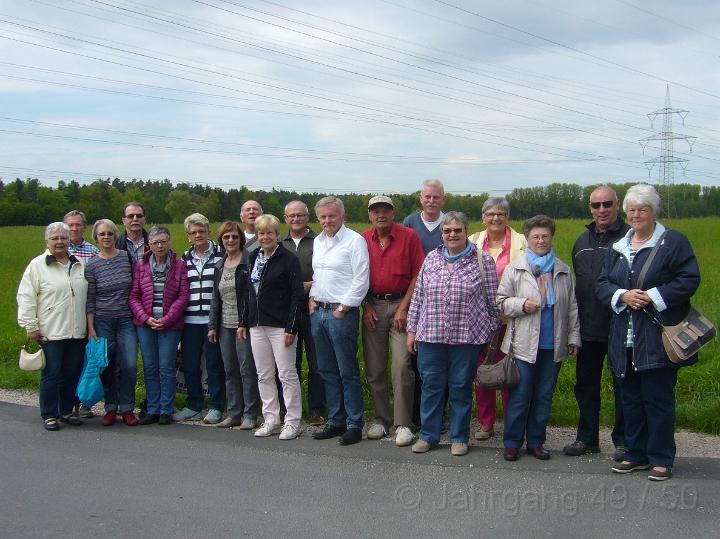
588	256
134	240
299	240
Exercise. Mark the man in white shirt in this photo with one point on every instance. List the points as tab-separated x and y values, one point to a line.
341	271
249	211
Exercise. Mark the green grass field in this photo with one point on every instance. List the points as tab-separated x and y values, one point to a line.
698	389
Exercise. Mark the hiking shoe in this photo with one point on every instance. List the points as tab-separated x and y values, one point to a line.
579	447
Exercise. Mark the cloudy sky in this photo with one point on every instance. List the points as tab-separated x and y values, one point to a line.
371	96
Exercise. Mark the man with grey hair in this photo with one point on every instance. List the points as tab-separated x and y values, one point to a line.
249	211
300	240
81	249
341	280
427	221
588	255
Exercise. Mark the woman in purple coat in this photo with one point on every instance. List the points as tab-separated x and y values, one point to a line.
158	298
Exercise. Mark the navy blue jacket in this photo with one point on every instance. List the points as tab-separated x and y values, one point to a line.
675	275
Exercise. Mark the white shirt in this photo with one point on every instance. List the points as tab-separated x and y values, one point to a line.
341	268
432	225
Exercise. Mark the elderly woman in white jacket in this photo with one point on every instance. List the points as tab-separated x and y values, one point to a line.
537	294
51	309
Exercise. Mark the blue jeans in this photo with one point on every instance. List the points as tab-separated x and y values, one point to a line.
121	373
194	341
316	388
59	378
529	404
159	350
336	348
649	406
446	368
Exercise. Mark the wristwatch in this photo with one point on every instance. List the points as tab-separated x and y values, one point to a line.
341	309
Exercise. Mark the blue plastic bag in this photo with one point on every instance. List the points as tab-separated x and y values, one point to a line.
90	388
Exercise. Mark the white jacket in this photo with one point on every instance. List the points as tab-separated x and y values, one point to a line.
51	300
518	284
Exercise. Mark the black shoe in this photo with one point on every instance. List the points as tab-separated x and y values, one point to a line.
51	423
149	419
143	409
165	419
578	447
539	453
629	467
352	436
330	431
619	454
660	475
71	420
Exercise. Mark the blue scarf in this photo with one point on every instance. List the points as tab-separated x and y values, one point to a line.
469	248
542	268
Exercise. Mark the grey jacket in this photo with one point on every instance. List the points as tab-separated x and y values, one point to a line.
518	284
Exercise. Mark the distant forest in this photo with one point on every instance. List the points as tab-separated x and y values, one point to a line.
28	202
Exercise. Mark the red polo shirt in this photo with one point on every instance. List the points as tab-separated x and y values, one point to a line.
392	268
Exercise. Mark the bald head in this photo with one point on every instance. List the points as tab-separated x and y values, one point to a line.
604	206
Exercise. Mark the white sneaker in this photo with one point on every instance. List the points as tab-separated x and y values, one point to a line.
403	437
267	429
376	432
289	432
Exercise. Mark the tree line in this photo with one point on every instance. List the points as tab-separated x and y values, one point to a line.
28	202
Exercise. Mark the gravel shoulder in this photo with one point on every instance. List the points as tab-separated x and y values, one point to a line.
689	444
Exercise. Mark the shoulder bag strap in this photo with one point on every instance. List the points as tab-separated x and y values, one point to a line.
648	262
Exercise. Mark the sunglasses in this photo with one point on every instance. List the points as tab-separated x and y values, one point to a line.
604	204
134	216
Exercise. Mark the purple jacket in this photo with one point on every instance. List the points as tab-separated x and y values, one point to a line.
175	295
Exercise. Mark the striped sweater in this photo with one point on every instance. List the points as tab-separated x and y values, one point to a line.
201	279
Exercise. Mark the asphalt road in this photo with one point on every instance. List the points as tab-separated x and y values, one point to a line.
185	481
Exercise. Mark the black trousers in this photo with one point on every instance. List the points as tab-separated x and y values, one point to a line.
588	375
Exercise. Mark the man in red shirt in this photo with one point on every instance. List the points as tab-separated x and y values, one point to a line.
396	255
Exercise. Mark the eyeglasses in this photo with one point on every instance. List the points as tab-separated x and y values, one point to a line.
604	204
297	216
231	237
103	234
453	230
538	237
159	243
134	216
492	215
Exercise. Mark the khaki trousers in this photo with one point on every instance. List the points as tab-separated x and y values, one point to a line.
375	351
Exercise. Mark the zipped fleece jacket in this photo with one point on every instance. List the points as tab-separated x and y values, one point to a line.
52	300
175	294
280	296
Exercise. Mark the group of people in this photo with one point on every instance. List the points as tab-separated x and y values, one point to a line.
436	299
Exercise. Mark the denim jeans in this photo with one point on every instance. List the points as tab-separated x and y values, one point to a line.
194	342
159	350
529	403
59	378
649	407
336	347
241	381
446	368
120	376
315	385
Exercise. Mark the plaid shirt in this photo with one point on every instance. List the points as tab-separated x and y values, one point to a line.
449	306
84	251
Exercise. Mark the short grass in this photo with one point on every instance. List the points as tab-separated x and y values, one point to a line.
698	389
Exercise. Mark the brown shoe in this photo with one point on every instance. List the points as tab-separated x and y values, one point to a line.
459	449
485	432
229	422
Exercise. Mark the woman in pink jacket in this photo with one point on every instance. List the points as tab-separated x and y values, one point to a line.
158	298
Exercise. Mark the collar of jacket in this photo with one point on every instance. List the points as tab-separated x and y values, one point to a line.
622	246
614	227
170	256
310	235
49	259
213	248
279	251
